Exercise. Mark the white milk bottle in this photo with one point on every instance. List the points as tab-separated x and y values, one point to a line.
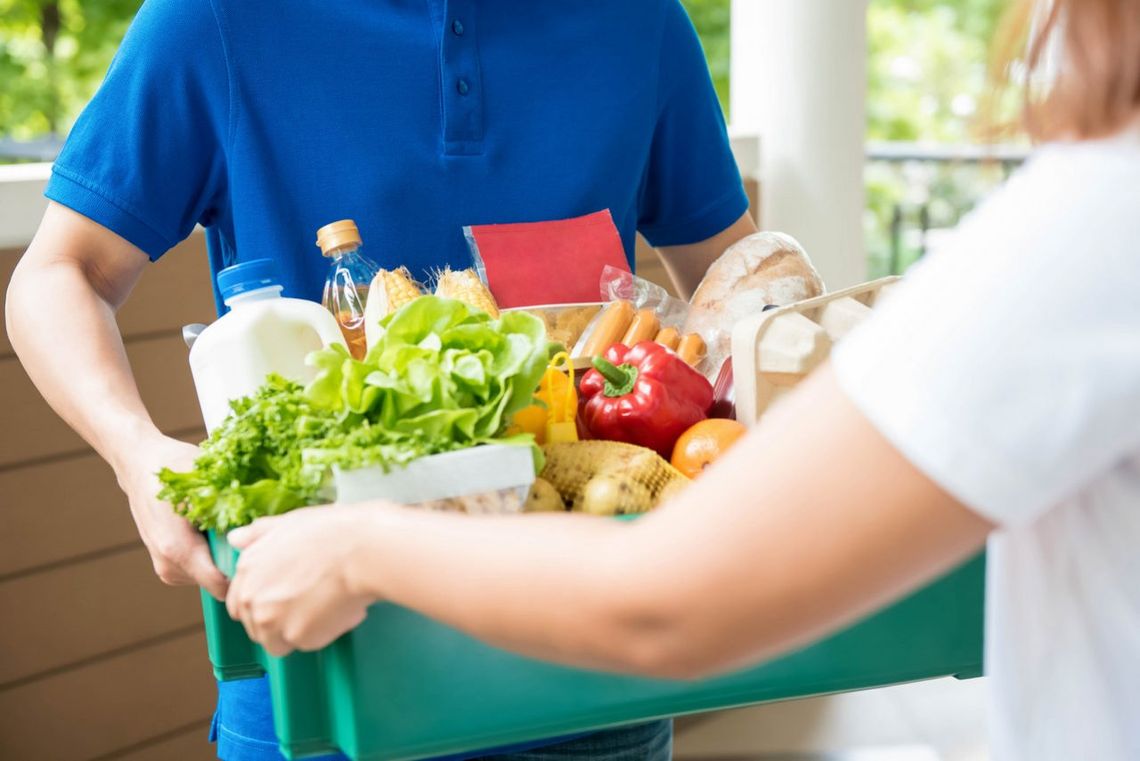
262	333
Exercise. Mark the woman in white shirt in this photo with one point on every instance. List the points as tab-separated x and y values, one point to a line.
996	396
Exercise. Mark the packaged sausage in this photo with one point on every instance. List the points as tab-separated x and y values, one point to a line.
639	310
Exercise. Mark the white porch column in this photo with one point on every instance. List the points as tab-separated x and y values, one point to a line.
799	82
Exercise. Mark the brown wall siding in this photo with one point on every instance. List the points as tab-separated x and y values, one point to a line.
110	705
98	659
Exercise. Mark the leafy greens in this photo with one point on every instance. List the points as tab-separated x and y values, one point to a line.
442	376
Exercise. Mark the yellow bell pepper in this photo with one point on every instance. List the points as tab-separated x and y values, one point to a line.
552	418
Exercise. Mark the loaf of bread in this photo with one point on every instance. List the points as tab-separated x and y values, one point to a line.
764	268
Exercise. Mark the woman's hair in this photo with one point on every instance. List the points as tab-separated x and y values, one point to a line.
1077	63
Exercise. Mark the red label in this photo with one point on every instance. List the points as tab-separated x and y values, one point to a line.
556	262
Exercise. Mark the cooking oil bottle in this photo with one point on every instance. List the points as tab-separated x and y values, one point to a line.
346	287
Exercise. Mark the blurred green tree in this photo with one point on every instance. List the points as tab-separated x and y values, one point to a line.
53	54
712	18
925	75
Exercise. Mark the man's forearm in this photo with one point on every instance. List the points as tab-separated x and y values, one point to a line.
687	264
65	334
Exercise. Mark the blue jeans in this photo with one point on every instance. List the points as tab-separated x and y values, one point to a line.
243	729
643	742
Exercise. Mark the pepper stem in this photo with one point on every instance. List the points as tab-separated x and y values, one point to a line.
620	380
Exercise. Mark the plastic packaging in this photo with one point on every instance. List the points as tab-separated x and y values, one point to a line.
638	310
610	477
757	271
621	285
487	479
262	333
553	262
350	276
565	323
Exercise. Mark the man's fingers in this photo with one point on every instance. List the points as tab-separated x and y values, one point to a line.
247	535
234	599
201	567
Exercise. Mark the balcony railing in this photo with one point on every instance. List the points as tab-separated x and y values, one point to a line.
918	191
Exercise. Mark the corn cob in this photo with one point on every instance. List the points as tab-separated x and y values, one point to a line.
389	290
465	286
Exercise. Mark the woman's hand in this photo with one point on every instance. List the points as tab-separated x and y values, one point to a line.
294	587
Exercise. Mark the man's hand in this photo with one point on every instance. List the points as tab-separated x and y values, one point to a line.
179	553
75	356
294	588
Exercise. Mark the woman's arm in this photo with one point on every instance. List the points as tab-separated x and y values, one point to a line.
810	522
60	313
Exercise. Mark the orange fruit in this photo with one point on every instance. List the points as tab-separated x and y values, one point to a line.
702	444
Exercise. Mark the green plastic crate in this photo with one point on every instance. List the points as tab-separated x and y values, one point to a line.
401	686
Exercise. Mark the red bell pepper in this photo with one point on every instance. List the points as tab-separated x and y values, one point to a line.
646	395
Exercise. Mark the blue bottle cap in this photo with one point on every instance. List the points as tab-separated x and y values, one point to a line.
247	276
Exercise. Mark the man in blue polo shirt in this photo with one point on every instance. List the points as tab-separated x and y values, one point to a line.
414	117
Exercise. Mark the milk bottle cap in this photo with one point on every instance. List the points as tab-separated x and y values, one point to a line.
247	276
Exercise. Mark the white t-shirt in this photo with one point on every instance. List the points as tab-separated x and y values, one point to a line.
1007	368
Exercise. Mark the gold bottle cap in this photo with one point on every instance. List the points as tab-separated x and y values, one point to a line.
337	236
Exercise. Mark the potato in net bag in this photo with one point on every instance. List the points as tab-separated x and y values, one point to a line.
610	477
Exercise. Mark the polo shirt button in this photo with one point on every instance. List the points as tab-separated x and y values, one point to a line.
462	87
457	27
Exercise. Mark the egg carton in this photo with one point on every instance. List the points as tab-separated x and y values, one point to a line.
776	349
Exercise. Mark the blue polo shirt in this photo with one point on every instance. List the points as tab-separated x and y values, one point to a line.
264	121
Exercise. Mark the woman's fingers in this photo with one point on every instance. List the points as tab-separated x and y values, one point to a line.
247	535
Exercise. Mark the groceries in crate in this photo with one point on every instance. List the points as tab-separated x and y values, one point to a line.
724	393
262	333
760	270
546	262
565	323
544	498
608	329
443	376
390	290
645	395
622	322
348	282
605	478
551	418
776	349
424	375
465	286
705	443
491	478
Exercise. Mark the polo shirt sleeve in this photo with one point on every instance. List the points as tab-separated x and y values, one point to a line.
692	189
146	158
